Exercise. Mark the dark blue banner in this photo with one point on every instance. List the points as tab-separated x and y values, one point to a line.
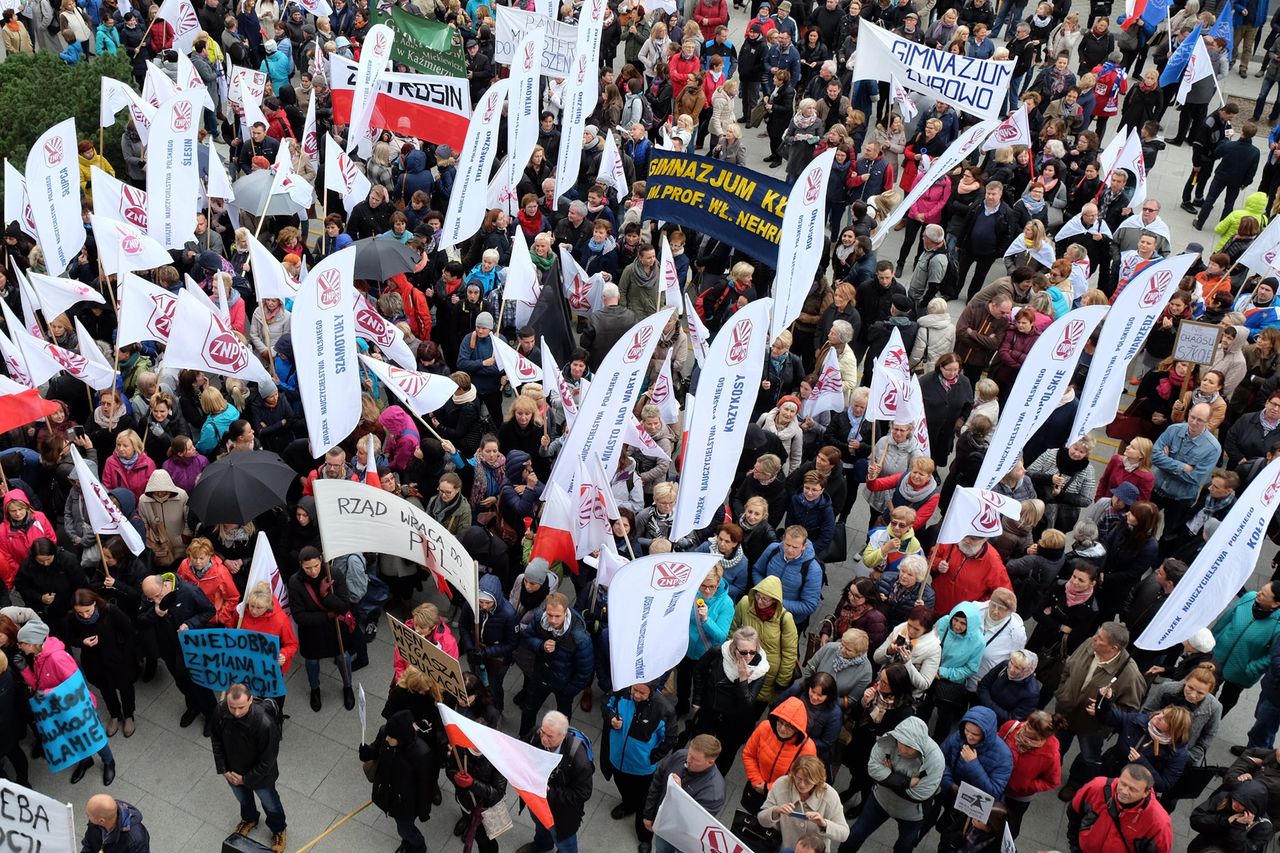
728	202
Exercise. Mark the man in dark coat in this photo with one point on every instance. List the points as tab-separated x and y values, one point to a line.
988	228
564	659
606	326
568	787
874	303
1237	166
246	744
171	604
979	332
114	827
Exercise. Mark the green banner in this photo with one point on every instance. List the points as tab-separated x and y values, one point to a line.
423	44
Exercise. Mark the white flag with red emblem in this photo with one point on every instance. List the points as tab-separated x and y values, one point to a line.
46	359
17	202
186	26
263	569
15	365
342	176
638	437
892	397
157	87
53	185
105	517
595	506
99	374
611	171
557	385
922	422
30	304
424	393
699	336
718	420
519	369
580	93
173	170
1038	389
56	295
468	201
1015	130
270	280
376	329
115	199
522	116
208	343
584	293
311	137
524	285
219	183
375	53
672	287
146	311
800	246
828	388
328	372
189	80
976	512
663	395
197	291
124	247
902	99
117	96
250	100
1262	256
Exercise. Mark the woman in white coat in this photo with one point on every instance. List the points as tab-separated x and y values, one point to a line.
1005	632
915	645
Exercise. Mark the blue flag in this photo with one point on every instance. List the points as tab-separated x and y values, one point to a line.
1222	29
1179	58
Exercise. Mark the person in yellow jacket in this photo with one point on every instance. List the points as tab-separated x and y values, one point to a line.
89	157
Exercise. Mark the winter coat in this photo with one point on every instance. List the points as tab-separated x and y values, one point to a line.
214	429
1140	828
61	578
165	520
1164	761
1009	700
128	836
967	578
824	720
706	788
569	785
52	666
898	600
1035	770
1074	693
647	734
935	337
247	745
961	653
926	656
991	770
817	517
801	579
218	587
1243	648
569	668
853	676
405	777
825	802
778	637
722	699
709	634
16	541
1211	819
1206	717
892	771
317	637
497	626
116	476
277	623
766	758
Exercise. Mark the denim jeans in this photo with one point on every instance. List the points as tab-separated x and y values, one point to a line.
105	754
1266	719
270	804
545	839
1010	12
1262	99
1088	762
872	817
407	827
660	846
313	671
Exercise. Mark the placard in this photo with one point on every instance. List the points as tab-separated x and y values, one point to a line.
216	658
1197	342
974	802
68	723
558	45
428	657
32	821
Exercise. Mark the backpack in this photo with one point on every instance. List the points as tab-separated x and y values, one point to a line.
950	278
274	712
578	740
713	300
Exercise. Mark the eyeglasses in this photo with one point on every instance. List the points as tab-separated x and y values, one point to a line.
745	653
1151	210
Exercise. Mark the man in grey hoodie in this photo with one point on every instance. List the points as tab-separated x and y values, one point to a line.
906	766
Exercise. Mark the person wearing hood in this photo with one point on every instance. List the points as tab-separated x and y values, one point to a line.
49	664
906	767
776	742
640	731
962	641
1234	820
564	659
800	575
205	569
22	526
531	587
1011	689
413	176
1228	360
402	438
1255	205
822	704
404	783
47	581
521	491
975	754
492	653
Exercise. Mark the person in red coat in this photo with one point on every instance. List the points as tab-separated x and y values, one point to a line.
1037	762
206	570
128	468
968	570
710	14
1111	83
262	612
417	312
21	527
1019	337
1132	466
683	64
1140	824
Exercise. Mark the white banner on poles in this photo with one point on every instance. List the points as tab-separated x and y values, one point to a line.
720	415
514	26
421	392
375	53
116	96
662	394
1132	317
114	198
53	186
1039	387
218	182
32	821
324	341
1262	256
342	176
146	311
270	279
584	293
467	201
612	172
1015	130
208	343
650	635
263	569
554	383
173	172
976	512
104	516
17	202
828	388
123	246
56	295
1222	567
579	99
519	369
186	26
377	329
892	397
800	249
902	99
522	118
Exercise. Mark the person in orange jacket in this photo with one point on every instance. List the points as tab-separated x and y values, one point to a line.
773	746
262	612
205	569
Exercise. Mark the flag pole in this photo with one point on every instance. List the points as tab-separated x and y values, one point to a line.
102	554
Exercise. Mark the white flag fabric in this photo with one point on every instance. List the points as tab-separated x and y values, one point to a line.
43	359
800	248
718	419
263	569
579	99
1075	225
556	384
1262	256
612	172
17	202
30	304
639	438
341	175
595	507
250	103
124	247
219	182
1014	130
104	516
892	396
15	364
186	26
662	393
613	392
1129	157
902	99
584	293
208	343
377	329
203	298
324	342
56	295
608	564
173	171
116	96
1132	317
114	198
650	634
421	392
288	182
828	388
146	311
525	767
375	53
311	137
685	825
1223	566
699	336
1044	254
524	285
976	512
157	87
522	115
670	275
99	374
467	201
975	86
519	369
53	186
358	517
922	422
270	279
1038	388
938	170
189	81
1199	66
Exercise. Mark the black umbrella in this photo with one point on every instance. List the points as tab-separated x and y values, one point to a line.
379	258
241	486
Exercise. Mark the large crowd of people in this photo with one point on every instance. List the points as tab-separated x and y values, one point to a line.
979	662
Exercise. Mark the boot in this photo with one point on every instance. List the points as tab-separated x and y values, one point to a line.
81	769
108	773
315	698
348	697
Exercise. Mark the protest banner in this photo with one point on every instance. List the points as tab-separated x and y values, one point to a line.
17	201
186	24
434	108
53	187
975	86
578	99
1196	342
467	202
32	822
421	392
718	421
253	83
210	344
523	107
146	311
341	175
125	247
801	242
375	52
432	660
324	340
375	328
105	518
424	44
559	39
68	723
1038	388
115	96
682	822
974	802
730	203
114	198
976	512
1221	568
358	517
220	657
173	172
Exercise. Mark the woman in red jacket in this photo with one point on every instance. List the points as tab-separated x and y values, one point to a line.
21	527
128	468
1037	763
205	569
263	613
1019	336
1132	466
927	210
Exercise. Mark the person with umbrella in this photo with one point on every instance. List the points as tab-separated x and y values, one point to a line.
320	606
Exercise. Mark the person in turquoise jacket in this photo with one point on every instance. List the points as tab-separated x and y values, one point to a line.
709	623
107	37
963	643
277	64
215	429
1243	639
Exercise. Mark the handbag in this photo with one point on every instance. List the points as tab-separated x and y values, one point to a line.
496	819
760	838
757	114
949	692
370	768
1128	426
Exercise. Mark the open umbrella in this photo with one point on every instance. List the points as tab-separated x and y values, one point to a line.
252	189
241	486
379	258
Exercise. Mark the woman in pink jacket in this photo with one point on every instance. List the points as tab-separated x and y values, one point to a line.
128	468
21	527
48	665
926	211
426	623
402	438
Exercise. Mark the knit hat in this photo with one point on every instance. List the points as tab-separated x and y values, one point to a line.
266	388
33	633
537	571
484	321
591	132
1195	248
902	303
261	162
789	398
1202	640
1127	493
444	152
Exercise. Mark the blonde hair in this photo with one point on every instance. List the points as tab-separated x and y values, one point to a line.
212	402
1052	538
426	614
416	681
857	639
1144	447
742	270
665	490
132	437
809	768
200	547
260	596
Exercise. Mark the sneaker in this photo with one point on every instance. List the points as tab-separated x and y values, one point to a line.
278	840
245	827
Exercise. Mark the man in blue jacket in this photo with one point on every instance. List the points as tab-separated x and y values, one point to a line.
114	827
974	753
792	561
476	357
1183	456
497	635
563	659
640	729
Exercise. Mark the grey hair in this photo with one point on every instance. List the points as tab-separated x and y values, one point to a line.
843	330
560	721
747	633
578	207
1117	632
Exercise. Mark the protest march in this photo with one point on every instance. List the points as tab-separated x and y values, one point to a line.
715	426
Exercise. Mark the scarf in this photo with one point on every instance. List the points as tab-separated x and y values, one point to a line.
1067	466
1157	735
130	462
1267	426
843	252
766	614
439	510
107	421
729	661
1033	660
1075	599
1033	207
880	704
91	620
237	536
1198	396
605	245
543	264
1171	382
1129	467
463	397
840	664
200	573
1258	612
911	493
531	225
556	632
